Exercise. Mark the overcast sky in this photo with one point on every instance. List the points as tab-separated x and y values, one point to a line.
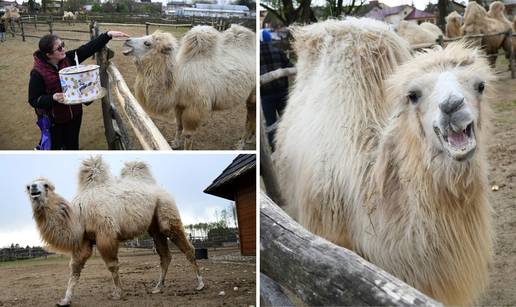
184	176
420	4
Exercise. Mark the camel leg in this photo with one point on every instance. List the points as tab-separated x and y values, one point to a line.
250	123
178	139
191	119
108	249
178	236
76	264
160	241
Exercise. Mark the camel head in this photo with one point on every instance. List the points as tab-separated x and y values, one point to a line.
38	191
147	47
443	99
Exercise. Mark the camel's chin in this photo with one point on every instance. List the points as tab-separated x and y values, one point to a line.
460	146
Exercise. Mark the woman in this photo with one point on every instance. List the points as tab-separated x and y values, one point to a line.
45	93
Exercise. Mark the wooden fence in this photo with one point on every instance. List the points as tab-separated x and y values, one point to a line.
509	36
20	253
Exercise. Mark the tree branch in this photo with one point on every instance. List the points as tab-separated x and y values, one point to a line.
274	12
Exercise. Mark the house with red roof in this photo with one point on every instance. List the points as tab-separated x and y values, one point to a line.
393	15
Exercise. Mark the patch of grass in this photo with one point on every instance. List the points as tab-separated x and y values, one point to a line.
2	67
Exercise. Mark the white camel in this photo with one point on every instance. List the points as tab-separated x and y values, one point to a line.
105	212
386	154
207	71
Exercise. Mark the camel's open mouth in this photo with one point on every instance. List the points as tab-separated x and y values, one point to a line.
35	194
460	145
128	49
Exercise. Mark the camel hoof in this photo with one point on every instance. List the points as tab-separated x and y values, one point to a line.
63	303
240	145
116	295
200	286
176	145
156	290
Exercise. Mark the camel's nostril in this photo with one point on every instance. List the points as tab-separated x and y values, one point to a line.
34	185
452	104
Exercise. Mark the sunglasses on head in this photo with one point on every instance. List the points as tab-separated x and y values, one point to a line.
60	48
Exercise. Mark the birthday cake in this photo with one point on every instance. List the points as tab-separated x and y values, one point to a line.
81	84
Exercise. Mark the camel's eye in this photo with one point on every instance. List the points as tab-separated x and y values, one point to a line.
414	96
480	87
147	43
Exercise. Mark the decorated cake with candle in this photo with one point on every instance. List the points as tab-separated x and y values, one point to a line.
81	83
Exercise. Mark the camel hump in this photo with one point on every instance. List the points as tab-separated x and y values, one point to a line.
237	35
137	170
200	40
94	170
351	39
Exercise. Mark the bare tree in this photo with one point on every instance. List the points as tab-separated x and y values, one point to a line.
338	7
287	13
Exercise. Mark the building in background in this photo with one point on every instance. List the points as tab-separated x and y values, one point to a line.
214	10
238	183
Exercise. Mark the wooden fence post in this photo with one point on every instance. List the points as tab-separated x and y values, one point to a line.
50	25
266	167
113	128
321	273
22	31
440	41
146	28
36	22
511	53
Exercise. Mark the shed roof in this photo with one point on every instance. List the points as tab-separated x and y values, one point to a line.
240	166
417	14
380	14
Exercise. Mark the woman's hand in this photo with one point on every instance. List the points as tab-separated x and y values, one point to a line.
114	34
59	97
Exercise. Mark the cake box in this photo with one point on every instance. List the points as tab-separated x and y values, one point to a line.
81	84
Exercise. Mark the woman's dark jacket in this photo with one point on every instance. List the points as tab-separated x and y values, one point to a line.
44	81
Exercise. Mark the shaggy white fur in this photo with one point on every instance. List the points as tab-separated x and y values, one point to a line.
105	212
453	25
416	34
386	155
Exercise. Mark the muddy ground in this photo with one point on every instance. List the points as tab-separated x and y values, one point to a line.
220	130
42	282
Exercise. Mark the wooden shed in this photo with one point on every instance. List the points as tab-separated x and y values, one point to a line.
238	183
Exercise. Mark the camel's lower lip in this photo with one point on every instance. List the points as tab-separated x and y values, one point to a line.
459	145
128	49
35	194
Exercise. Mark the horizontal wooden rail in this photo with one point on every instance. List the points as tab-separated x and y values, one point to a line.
321	273
185	25
147	133
276	74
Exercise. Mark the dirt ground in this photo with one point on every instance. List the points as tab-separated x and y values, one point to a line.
502	153
42	282
221	130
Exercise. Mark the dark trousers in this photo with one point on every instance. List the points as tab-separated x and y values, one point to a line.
273	107
66	136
